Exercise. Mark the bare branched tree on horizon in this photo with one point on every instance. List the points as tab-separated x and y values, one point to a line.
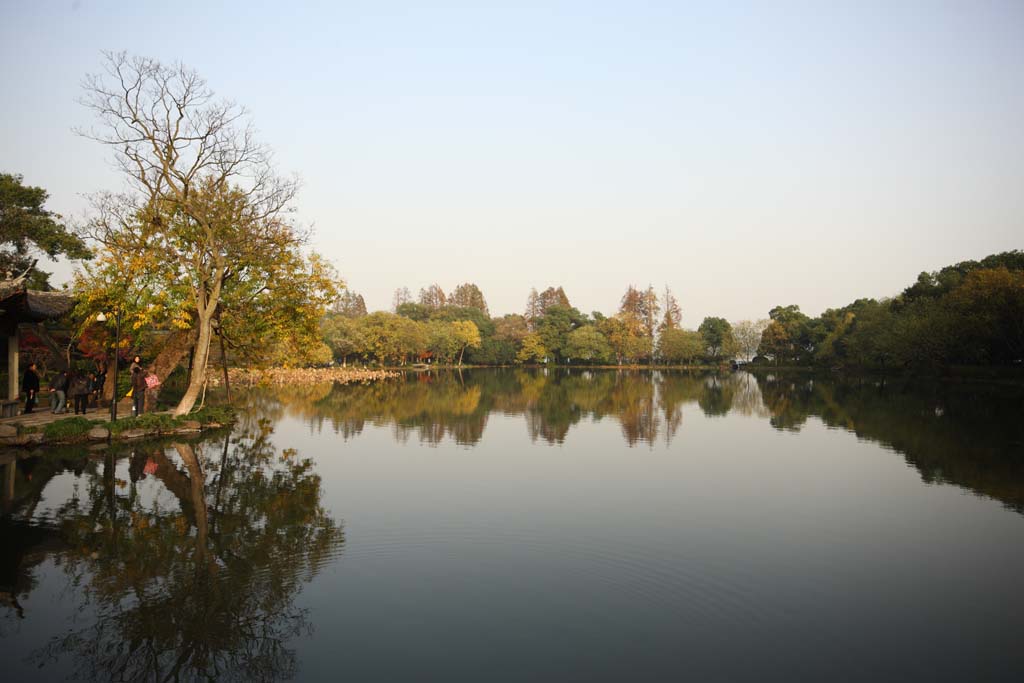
201	187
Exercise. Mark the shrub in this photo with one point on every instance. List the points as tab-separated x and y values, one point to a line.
69	428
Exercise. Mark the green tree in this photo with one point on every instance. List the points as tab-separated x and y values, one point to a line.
626	337
27	230
442	341
588	344
413	311
680	346
718	337
555	325
205	205
789	337
532	349
343	335
467	335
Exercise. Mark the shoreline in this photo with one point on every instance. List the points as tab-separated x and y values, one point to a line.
80	430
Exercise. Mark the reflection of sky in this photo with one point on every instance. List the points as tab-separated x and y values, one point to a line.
747	154
807	550
815	554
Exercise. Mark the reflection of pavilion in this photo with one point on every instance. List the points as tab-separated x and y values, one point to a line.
24	545
19	304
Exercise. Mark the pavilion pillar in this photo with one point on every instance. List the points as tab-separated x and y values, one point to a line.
13	371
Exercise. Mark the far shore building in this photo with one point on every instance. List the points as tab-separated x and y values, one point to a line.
18	305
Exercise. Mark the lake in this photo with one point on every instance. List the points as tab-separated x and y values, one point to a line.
500	525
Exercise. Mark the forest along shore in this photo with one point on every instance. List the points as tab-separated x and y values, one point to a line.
285	376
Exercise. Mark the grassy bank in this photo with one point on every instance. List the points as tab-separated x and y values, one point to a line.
80	429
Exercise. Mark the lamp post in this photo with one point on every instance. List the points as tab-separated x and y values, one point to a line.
102	317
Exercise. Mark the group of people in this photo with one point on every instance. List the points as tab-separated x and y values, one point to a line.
77	386
80	386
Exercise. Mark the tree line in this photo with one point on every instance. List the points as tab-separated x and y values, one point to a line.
968	313
456	327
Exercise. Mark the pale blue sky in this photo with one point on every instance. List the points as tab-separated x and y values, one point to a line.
746	154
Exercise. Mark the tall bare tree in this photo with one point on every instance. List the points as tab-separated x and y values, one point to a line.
672	318
199	180
433	297
468	295
402	296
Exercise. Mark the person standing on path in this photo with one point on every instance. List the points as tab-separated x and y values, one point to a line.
30	385
78	390
58	397
139	387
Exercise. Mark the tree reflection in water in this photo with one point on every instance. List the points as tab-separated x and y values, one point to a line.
205	588
965	434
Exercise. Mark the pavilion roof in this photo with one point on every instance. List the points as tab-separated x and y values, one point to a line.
19	304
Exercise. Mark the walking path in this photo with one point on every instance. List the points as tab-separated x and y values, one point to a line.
42	416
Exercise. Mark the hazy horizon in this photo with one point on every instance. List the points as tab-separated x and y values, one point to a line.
746	156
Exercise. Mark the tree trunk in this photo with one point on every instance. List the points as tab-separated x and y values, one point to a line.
202	355
197	481
224	364
174	349
108	385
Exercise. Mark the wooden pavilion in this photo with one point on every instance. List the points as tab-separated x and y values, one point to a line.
19	304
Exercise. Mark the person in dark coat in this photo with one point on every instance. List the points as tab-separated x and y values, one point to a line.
58	389
30	385
139	387
78	390
99	379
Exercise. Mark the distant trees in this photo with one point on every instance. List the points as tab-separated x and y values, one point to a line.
468	295
433	297
538	304
970	313
626	337
673	315
588	344
747	334
350	304
554	327
402	296
532	349
718	339
681	346
787	338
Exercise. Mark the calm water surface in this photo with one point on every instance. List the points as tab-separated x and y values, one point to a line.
500	525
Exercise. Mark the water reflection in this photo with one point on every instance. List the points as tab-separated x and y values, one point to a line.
185	558
965	434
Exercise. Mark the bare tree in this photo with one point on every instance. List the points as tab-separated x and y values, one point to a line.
747	334
198	179
433	297
402	296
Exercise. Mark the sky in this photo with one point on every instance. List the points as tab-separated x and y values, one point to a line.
746	155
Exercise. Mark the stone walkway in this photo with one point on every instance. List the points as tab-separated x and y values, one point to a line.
42	416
